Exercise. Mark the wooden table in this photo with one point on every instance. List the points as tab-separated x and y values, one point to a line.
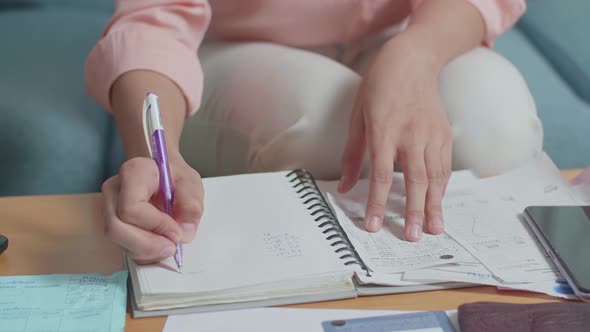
63	234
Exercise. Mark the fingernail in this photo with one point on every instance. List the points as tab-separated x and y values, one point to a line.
374	224
415	231
173	236
189	231
168	251
436	225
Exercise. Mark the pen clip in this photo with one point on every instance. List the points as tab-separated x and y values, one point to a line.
147	131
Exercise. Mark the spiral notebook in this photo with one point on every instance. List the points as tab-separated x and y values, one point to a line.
264	239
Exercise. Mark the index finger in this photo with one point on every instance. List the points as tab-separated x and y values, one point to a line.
188	206
381	176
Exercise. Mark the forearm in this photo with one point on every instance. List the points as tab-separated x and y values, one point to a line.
128	94
441	30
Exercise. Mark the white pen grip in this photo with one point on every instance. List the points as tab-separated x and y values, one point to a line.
154	112
151	119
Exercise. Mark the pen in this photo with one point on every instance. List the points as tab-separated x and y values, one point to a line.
152	118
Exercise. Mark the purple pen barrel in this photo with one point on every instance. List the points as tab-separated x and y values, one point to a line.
166	188
161	158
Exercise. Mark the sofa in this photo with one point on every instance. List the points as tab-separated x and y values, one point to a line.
55	140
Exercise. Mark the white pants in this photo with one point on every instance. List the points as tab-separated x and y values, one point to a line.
269	107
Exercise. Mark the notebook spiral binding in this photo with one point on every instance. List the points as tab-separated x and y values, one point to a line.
304	184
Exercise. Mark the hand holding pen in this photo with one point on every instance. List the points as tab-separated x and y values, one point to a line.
146	221
156	143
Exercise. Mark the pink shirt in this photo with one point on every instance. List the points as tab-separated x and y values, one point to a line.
164	35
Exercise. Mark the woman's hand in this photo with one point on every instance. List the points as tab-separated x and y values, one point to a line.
133	215
399	117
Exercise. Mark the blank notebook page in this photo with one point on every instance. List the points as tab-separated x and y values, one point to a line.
255	229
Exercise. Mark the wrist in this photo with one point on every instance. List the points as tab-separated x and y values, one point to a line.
415	44
128	94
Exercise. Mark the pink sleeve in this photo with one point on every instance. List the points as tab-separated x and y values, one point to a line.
158	35
498	15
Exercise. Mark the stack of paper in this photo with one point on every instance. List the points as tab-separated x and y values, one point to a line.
486	241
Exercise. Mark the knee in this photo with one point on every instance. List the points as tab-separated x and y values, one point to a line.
314	141
282	82
293	113
314	138
301	146
491	111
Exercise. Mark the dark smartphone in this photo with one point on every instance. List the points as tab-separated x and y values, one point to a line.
3	243
564	232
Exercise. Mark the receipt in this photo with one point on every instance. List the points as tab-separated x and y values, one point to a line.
63	303
474	273
488	221
478	274
493	232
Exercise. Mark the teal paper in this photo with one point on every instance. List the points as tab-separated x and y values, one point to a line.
63	303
